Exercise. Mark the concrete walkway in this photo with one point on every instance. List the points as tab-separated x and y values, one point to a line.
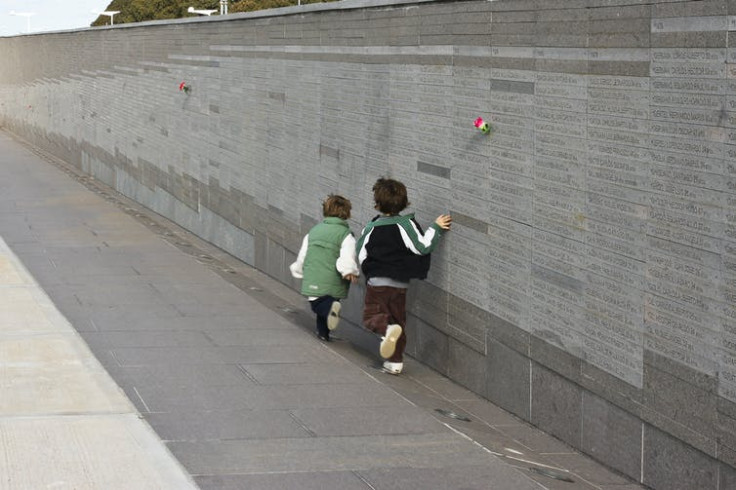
220	361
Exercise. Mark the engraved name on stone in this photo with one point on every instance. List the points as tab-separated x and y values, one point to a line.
620	164
618	123
466	183
694	239
617	137
469	287
671	291
678	99
471	162
467	204
700	349
686	116
641	154
612	360
689	24
561	104
610	271
690	69
549	197
511	161
559	333
673	351
612	82
715	87
604	237
686	222
498	106
672	203
617	177
522	214
613	293
631	350
659	269
557	90
688	54
694	147
504	303
575	130
684	130
620	322
613	107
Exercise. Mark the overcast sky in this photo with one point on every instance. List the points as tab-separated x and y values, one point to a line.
48	15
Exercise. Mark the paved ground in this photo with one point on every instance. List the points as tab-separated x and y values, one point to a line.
220	361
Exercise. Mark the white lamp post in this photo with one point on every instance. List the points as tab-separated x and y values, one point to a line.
27	15
111	14
223	7
192	10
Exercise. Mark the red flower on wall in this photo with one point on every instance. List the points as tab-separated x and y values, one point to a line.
482	125
183	87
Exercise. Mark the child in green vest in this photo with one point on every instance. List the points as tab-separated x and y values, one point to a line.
327	264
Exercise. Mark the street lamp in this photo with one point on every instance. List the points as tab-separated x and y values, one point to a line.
27	15
111	14
223	7
192	10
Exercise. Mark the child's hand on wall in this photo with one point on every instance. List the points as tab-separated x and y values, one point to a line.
444	221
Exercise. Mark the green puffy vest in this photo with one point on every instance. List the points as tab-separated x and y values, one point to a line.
320	273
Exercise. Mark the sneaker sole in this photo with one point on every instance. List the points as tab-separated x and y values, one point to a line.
388	344
333	319
391	371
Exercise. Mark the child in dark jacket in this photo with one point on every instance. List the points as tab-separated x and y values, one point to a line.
393	249
327	264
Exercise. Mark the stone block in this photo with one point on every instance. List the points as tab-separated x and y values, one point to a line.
726	476
612	435
680	394
673	465
556	405
508	379
432	345
556	359
467	366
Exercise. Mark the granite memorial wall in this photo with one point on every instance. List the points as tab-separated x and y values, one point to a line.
589	282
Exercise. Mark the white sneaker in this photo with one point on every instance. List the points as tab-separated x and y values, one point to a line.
333	319
388	344
393	367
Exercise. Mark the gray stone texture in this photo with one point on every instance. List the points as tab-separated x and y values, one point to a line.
589	279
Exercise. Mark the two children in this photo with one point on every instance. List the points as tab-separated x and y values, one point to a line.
392	249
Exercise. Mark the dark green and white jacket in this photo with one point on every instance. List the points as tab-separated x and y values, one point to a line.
326	256
395	247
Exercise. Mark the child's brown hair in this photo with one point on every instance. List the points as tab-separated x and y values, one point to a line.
390	196
336	206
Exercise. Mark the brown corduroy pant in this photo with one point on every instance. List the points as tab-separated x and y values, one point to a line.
384	306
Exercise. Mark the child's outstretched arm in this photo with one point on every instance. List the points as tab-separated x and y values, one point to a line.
297	268
423	243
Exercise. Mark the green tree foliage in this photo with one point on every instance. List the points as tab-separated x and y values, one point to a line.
143	10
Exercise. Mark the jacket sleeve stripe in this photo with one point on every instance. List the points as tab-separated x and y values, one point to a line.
415	241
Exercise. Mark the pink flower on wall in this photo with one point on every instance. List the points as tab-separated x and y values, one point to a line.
482	125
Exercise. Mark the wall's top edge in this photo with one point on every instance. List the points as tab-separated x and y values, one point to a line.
276	12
